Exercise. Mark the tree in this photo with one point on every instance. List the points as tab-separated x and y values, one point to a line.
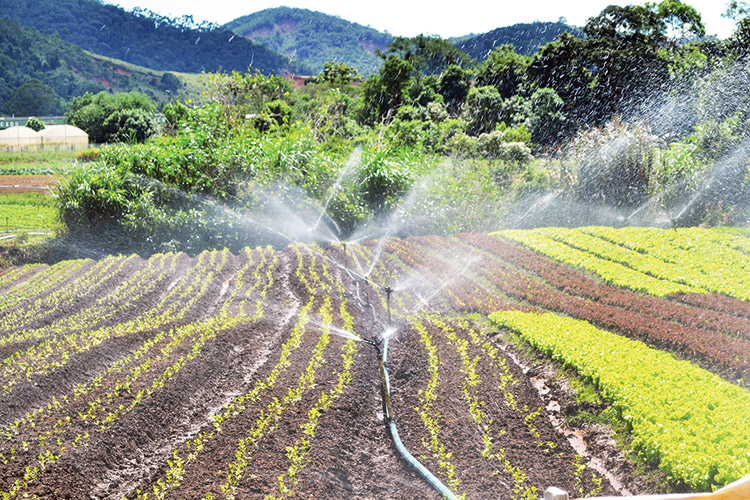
547	120
34	97
504	69
337	73
739	43
170	82
629	51
384	93
483	107
427	55
454	87
35	124
112	117
129	125
562	66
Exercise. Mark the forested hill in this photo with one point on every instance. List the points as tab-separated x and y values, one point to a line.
146	39
527	38
314	37
38	71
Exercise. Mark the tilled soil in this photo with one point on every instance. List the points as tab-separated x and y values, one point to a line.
27	183
220	376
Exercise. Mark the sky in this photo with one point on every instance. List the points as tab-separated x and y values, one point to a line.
411	18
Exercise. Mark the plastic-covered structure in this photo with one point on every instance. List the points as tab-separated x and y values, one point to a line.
20	137
64	135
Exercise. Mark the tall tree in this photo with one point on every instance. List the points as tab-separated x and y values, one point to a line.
504	69
34	98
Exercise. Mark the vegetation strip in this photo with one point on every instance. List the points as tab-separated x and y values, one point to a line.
695	425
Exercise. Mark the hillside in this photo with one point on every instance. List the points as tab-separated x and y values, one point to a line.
143	38
313	37
527	38
71	71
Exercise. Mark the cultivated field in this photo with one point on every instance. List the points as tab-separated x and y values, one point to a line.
241	376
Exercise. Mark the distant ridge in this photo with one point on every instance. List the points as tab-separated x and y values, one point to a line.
527	38
71	71
146	39
314	37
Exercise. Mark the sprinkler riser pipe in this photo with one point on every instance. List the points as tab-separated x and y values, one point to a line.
388	291
387	408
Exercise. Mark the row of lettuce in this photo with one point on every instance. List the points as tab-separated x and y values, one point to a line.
691	422
696	426
650	260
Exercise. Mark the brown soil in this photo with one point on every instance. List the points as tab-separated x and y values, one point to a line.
121	413
27	183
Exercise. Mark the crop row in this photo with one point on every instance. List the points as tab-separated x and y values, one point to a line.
157	361
729	355
608	270
239	407
648	318
42	309
694	424
10	276
53	353
41	282
473	412
467	342
298	452
140	284
573	282
696	254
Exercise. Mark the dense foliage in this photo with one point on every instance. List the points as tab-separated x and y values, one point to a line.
313	37
144	38
627	124
127	117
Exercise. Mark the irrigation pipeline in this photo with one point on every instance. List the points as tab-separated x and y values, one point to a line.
385	384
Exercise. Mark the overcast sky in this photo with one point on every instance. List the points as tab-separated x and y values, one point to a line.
411	18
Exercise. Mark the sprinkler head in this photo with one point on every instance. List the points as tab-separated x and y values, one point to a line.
388	290
375	342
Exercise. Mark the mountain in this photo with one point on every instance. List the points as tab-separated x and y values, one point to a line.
314	37
27	54
147	39
527	38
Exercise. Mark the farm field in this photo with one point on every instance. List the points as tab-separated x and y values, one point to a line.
241	375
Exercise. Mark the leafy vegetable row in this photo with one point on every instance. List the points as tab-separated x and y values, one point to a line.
694	424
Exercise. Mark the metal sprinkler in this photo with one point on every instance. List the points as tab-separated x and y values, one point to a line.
387	410
346	263
388	291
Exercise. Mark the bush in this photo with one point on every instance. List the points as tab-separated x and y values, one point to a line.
382	179
129	125
35	124
611	165
88	155
492	146
126	117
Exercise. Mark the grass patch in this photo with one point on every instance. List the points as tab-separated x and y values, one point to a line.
36	162
24	211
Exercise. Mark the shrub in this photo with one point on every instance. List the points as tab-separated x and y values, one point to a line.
88	155
35	124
